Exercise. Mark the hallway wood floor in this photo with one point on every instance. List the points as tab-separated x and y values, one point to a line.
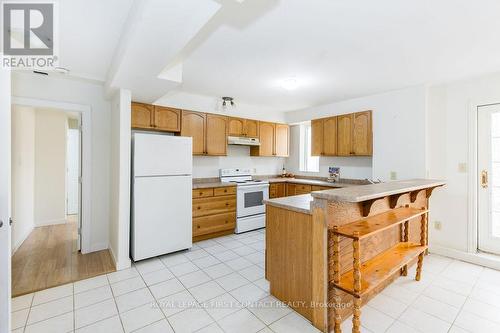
49	258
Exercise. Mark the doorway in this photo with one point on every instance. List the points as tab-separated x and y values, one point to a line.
47	201
488	166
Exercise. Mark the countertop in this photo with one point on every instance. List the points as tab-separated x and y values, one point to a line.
309	182
215	182
298	203
374	191
209	184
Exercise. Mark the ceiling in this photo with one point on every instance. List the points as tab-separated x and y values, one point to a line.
335	49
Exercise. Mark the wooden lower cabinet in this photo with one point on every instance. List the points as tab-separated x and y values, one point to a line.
205	226
320	188
277	190
302	189
214	212
297	189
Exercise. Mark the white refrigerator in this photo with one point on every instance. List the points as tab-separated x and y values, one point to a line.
161	216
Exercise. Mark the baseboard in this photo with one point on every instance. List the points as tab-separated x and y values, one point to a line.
482	259
49	222
123	264
25	235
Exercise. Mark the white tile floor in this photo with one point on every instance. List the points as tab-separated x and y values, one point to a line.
219	286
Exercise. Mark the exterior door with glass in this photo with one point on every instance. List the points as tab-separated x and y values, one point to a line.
489	178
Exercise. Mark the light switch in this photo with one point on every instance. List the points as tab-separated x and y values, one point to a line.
462	167
393	175
437	225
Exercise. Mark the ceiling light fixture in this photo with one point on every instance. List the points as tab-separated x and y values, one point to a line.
290	83
227	102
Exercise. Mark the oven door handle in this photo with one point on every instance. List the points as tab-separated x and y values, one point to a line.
263	186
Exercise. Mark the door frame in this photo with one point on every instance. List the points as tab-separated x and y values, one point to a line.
473	178
85	154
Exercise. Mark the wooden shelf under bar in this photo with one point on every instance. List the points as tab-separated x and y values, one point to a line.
381	267
376	223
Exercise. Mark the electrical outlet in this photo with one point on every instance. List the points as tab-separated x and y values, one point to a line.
393	175
462	167
437	225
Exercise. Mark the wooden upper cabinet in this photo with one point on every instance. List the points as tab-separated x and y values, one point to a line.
330	136
266	137
317	137
236	126
354	134
344	134
281	141
216	129
193	125
167	119
362	134
251	128
274	140
142	115
324	137
243	127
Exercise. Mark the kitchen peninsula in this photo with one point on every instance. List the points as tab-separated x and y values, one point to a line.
329	252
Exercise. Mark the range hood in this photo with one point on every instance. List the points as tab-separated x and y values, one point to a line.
242	141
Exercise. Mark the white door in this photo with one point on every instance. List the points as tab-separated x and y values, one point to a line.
73	171
489	178
5	143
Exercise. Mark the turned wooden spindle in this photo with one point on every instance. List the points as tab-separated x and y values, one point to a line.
423	242
336	280
406	237
356	324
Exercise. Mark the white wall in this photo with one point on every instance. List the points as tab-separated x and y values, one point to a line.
84	93
350	167
202	103
119	226
23	174
237	157
398	131
449	106
50	167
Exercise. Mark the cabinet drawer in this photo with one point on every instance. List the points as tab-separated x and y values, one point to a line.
215	205
320	188
214	223
203	193
218	191
302	189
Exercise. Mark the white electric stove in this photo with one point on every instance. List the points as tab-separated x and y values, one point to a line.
250	194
